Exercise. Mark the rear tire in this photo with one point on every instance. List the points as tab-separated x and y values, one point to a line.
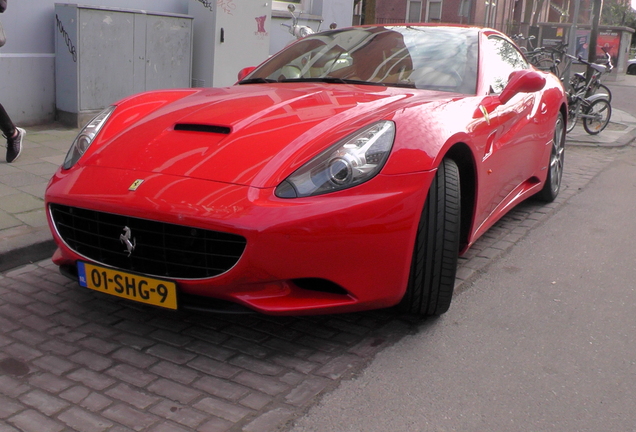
434	262
631	70
603	111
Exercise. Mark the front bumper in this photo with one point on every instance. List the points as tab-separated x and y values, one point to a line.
340	252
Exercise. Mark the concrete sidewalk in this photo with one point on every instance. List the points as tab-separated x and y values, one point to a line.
25	236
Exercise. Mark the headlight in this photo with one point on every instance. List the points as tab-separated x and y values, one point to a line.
86	137
352	161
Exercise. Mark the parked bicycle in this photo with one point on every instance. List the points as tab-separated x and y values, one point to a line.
593	108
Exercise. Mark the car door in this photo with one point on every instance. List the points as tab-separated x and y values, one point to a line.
507	161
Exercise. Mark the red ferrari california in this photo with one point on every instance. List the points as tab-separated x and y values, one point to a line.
347	172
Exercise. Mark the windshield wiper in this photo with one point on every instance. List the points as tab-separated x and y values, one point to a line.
334	80
257	81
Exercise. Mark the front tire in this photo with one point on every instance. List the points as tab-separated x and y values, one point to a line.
552	184
602	112
434	263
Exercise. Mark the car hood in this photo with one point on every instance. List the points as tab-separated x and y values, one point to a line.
254	135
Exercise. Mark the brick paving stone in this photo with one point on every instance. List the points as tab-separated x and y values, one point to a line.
41	309
206	334
134	357
292	378
278	345
221	409
66	319
44	402
29	337
213	367
37	323
247	347
131	375
92	379
22	352
215	425
256	401
48	382
76	394
297	364
130	417
270	386
172	338
134	327
95	362
7	325
221	388
4	427
132	341
245	333
170	353
168	427
132	396
81	420
98	345
182	414
269	421
211	350
306	391
33	421
338	366
9	407
8	311
95	402
258	366
174	372
173	391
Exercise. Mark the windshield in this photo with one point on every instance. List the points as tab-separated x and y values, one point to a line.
437	58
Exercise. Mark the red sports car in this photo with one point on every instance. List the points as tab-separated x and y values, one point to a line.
347	172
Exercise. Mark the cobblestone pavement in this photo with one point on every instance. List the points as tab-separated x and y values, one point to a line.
74	360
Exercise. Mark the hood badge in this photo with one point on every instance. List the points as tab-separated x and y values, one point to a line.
133	187
125	239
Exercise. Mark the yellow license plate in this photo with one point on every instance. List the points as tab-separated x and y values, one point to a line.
130	286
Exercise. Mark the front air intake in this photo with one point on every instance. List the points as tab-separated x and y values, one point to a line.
161	249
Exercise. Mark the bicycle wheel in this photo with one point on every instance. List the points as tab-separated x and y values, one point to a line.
545	64
573	116
597	116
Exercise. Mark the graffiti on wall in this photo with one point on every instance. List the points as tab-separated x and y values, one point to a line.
67	38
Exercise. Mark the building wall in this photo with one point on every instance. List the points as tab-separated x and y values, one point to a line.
27	61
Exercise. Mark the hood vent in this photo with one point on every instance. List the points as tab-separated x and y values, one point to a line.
202	128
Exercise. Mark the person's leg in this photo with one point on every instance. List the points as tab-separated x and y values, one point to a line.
14	135
6	125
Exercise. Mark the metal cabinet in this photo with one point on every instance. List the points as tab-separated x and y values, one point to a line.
105	54
229	35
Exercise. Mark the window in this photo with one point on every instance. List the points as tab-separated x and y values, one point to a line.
414	12
434	11
506	58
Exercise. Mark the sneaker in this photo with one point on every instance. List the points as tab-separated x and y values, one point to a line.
14	145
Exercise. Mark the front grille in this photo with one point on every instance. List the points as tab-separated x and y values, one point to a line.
161	249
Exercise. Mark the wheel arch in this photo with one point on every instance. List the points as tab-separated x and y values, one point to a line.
464	158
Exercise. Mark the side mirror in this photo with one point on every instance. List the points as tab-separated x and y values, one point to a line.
522	81
245	72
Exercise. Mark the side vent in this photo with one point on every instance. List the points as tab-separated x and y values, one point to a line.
202	128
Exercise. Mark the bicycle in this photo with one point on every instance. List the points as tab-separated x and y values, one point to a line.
595	85
594	109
